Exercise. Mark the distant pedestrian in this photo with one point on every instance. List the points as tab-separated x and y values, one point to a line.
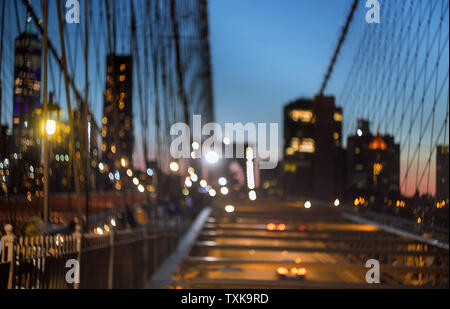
130	216
73	224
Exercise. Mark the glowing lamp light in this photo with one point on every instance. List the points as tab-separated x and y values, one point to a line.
359	132
308	204
141	188
224	190
337	202
212	157
252	195
188	182
135	181
203	183
194	177
212	192
113	222
249	153
226	140
222	181
195	145
229	208
174	166
99	231
50	127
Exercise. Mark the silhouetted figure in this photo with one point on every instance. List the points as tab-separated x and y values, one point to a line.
73	224
121	221
130	216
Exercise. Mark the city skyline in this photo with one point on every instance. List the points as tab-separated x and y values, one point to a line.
271	65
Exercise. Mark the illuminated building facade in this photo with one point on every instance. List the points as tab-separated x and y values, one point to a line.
118	103
313	155
373	165
442	171
27	92
25	150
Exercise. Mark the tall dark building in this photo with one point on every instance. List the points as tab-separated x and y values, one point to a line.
118	97
442	172
25	140
373	164
313	155
27	93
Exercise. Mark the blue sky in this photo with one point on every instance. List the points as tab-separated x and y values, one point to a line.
268	52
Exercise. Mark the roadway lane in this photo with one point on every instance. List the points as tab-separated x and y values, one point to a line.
236	248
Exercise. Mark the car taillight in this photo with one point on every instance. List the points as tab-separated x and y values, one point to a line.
282	271
301	271
281	227
302	228
271	226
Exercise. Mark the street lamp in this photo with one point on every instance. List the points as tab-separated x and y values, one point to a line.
229	208
222	181
50	127
174	166
212	192
212	157
252	195
194	177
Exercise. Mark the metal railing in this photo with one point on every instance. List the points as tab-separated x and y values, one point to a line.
116	259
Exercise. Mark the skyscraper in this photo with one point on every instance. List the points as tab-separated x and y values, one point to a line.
117	131
373	164
25	139
27	92
313	153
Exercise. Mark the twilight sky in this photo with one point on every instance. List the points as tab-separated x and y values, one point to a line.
268	52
